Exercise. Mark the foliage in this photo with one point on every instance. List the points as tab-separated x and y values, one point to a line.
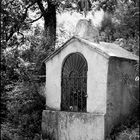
16	16
22	102
127	129
107	5
25	105
63	34
123	26
23	47
22	98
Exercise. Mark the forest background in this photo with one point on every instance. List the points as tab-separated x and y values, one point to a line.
33	29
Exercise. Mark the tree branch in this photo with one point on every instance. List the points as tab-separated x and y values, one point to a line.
21	34
41	7
18	24
26	10
36	19
136	14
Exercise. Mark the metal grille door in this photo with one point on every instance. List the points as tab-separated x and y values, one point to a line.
74	83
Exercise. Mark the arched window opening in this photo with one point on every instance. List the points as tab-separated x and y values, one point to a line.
74	83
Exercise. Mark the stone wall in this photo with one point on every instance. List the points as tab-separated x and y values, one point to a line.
60	125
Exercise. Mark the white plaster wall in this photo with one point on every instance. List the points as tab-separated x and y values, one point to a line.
96	78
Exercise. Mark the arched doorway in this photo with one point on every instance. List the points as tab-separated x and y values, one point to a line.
74	83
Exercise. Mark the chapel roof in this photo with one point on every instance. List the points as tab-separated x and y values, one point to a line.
104	48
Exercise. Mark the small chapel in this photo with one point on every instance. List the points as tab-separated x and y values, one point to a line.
88	87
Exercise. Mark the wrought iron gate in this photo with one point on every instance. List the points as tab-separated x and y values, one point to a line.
74	83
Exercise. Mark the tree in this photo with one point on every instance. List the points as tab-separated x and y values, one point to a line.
15	16
127	28
120	23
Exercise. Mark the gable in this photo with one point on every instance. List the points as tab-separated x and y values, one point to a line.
105	49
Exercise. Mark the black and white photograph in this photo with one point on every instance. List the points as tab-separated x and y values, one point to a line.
70	70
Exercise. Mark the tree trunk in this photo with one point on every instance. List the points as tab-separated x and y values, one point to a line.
49	15
50	26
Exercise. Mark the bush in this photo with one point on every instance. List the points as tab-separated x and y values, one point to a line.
24	117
